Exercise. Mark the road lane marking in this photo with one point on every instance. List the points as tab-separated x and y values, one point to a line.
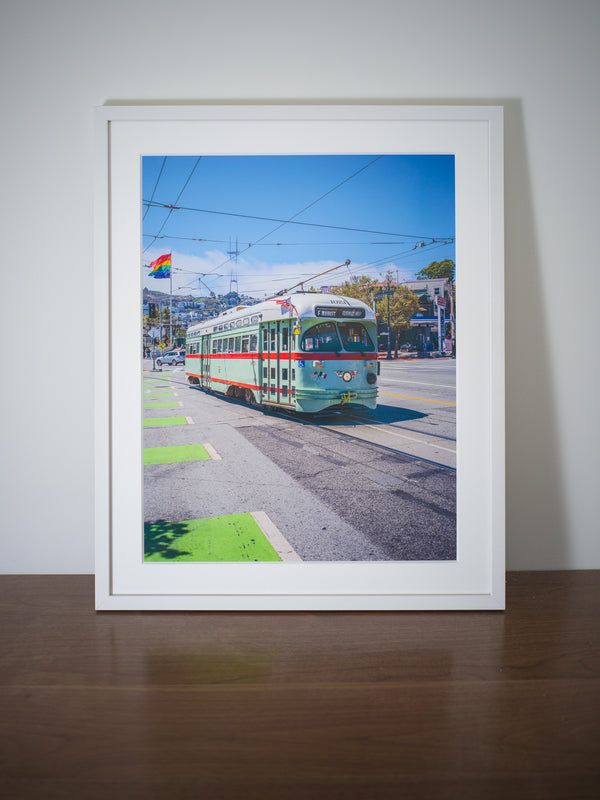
280	544
410	438
420	383
422	399
212	452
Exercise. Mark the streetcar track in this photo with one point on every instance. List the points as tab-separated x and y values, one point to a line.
401	427
334	429
389	449
410	438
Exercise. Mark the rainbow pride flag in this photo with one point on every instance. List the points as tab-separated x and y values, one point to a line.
161	268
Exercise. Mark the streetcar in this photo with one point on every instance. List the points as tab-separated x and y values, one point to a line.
306	352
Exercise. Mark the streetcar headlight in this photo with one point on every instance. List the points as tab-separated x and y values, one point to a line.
371	377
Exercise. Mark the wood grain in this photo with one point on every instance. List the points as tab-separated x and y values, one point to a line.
294	705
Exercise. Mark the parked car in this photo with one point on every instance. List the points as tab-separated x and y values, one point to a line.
172	357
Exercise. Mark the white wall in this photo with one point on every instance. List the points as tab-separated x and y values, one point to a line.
538	58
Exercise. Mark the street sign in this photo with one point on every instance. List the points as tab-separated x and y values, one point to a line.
441	301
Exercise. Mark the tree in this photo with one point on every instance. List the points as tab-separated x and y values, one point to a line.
363	288
404	304
438	269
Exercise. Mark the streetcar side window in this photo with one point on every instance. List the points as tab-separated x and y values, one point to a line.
321	338
253	343
238	344
355	336
284	339
245	344
231	341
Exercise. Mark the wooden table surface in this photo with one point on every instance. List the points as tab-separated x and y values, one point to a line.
300	705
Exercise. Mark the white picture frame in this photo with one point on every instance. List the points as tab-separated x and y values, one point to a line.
475	580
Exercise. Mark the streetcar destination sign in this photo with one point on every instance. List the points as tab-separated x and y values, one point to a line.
352	313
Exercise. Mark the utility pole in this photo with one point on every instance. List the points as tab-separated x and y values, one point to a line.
389	347
452	325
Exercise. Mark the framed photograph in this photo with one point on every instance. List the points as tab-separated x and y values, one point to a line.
299	360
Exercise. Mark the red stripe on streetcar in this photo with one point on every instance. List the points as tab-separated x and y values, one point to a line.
221	380
316	356
224	355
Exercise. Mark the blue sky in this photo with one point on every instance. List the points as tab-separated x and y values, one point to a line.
390	212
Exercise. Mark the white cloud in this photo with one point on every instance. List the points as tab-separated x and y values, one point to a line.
255	277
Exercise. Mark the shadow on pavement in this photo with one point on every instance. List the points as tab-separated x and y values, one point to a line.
159	537
382	415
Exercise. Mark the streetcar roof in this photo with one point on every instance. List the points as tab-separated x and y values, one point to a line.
298	305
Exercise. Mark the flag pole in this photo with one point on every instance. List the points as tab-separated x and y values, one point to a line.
171	301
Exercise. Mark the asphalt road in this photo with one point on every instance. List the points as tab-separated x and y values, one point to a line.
416	411
338	488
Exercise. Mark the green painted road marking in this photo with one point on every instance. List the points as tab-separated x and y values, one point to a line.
175	454
158	394
235	537
157	422
167	404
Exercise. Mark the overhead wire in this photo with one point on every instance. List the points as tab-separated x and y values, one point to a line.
292	221
156	184
172	208
439	241
310	205
276	244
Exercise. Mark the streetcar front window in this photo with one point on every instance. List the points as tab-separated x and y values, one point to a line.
322	338
355	336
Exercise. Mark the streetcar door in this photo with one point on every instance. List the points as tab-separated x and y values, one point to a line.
205	362
284	361
265	363
270	362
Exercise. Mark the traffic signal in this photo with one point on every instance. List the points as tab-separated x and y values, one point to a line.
151	310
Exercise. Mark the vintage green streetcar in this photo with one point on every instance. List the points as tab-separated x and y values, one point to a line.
305	352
